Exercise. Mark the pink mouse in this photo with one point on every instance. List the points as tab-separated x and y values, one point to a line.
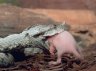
63	42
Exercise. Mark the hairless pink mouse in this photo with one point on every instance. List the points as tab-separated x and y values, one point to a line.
63	42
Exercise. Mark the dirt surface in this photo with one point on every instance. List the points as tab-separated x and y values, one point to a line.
71	11
39	62
15	19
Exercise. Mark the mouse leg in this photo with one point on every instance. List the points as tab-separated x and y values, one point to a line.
59	56
77	55
52	49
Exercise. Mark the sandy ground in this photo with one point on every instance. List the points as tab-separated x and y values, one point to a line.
71	11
